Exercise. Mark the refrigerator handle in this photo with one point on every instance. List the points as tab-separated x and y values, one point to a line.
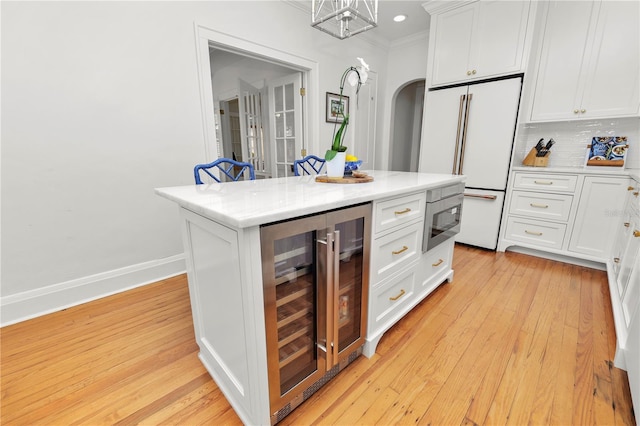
464	132
455	152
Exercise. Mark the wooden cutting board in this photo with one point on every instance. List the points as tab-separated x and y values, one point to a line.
346	179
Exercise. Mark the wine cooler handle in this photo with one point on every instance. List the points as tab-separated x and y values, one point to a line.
335	298
325	310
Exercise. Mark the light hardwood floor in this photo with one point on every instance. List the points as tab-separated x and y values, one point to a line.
513	339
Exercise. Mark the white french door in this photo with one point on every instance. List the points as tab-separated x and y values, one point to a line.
285	118
252	127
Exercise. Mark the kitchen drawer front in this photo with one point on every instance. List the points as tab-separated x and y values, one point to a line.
391	252
539	205
544	234
435	261
544	182
399	211
392	296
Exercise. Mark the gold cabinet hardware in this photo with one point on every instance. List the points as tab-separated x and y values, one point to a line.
540	206
438	263
473	72
469	72
575	111
636	233
627	224
532	232
407	210
404	248
543	182
583	111
636	193
484	197
616	259
630	188
398	296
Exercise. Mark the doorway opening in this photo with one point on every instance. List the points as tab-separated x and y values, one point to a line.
406	127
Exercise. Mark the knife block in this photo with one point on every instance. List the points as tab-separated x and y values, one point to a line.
532	160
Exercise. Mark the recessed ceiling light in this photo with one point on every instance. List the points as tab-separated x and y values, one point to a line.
399	18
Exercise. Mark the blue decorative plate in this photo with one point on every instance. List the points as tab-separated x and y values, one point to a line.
350	166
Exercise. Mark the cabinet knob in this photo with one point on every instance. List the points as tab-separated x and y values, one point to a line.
616	259
468	72
627	224
583	111
473	72
630	188
636	193
575	111
636	233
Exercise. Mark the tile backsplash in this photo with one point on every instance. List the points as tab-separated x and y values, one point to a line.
572	138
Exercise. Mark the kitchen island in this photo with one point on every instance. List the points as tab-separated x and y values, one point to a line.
221	227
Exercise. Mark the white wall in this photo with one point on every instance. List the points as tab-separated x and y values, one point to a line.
101	104
407	63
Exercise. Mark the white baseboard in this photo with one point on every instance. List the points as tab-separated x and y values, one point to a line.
34	303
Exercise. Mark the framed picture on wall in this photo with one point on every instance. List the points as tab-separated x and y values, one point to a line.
337	107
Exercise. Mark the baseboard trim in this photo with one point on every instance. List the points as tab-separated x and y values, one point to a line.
34	303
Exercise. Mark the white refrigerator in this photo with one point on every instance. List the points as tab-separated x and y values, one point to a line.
469	130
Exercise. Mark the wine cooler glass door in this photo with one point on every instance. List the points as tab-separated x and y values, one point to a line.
292	316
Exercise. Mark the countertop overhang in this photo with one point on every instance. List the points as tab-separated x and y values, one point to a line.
251	203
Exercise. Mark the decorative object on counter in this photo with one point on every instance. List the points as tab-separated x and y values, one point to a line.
607	151
539	154
360	177
343	18
355	76
351	165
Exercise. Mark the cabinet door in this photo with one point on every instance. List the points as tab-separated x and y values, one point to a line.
601	200
559	84
452	44
612	79
629	262
498	42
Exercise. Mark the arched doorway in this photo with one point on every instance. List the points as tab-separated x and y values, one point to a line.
406	127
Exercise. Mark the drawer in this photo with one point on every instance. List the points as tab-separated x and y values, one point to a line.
391	252
545	182
544	234
398	211
542	206
392	297
436	261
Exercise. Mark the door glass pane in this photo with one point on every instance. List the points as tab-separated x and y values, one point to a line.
288	94
295	300
278	98
279	125
291	125
350	289
291	150
280	151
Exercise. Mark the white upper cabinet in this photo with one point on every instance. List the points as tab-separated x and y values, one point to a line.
588	63
481	39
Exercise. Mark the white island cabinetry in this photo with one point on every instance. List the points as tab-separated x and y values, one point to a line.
221	226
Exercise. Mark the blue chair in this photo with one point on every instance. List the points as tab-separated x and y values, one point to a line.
233	169
309	165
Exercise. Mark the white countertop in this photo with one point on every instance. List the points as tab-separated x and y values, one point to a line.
249	203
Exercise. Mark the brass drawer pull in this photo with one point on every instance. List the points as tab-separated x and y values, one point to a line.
404	248
543	182
407	210
636	193
630	188
532	232
398	296
438	263
540	206
636	233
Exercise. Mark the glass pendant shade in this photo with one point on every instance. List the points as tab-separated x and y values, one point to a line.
344	18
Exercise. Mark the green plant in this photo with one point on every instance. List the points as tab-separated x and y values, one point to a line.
337	145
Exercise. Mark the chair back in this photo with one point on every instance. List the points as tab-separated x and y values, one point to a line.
233	169
309	165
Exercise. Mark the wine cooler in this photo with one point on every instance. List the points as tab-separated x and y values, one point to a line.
316	280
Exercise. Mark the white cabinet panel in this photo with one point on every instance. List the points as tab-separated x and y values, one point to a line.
481	212
399	211
598	215
477	40
589	63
